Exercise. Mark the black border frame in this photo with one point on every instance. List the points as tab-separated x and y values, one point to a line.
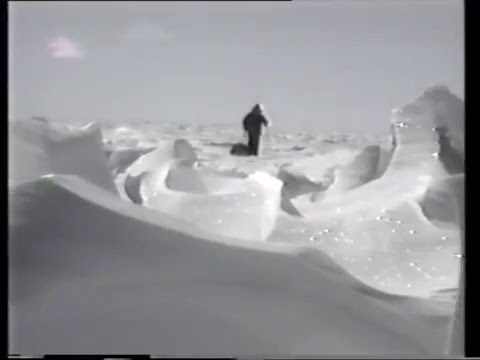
472	61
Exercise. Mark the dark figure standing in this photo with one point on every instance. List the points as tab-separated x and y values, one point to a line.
252	125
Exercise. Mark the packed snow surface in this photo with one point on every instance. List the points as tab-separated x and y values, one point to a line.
152	238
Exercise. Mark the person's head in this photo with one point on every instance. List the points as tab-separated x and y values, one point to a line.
258	108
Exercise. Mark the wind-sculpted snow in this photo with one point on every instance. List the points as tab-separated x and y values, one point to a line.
179	149
125	137
385	157
449	192
449	112
295	184
452	159
438	203
413	165
320	169
456	334
170	181
130	280
362	169
397	213
36	149
156	160
120	160
239	208
131	186
168	267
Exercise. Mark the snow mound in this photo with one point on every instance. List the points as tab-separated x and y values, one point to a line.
439	204
295	184
414	163
450	113
186	291
362	169
396	214
239	208
179	149
456	334
120	160
170	181
180	274
452	159
37	149
131	186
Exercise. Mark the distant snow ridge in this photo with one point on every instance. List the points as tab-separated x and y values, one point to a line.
36	149
168	180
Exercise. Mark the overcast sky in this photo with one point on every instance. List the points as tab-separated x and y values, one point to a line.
324	65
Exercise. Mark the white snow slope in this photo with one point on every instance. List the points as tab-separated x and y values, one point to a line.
93	272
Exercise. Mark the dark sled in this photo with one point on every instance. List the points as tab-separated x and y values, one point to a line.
239	149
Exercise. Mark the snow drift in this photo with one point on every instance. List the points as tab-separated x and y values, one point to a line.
438	203
171	183
367	166
144	283
148	279
120	160
414	162
397	214
36	149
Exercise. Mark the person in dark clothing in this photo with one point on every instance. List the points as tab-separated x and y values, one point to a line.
252	125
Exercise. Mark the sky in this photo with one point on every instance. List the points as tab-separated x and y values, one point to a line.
316	65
